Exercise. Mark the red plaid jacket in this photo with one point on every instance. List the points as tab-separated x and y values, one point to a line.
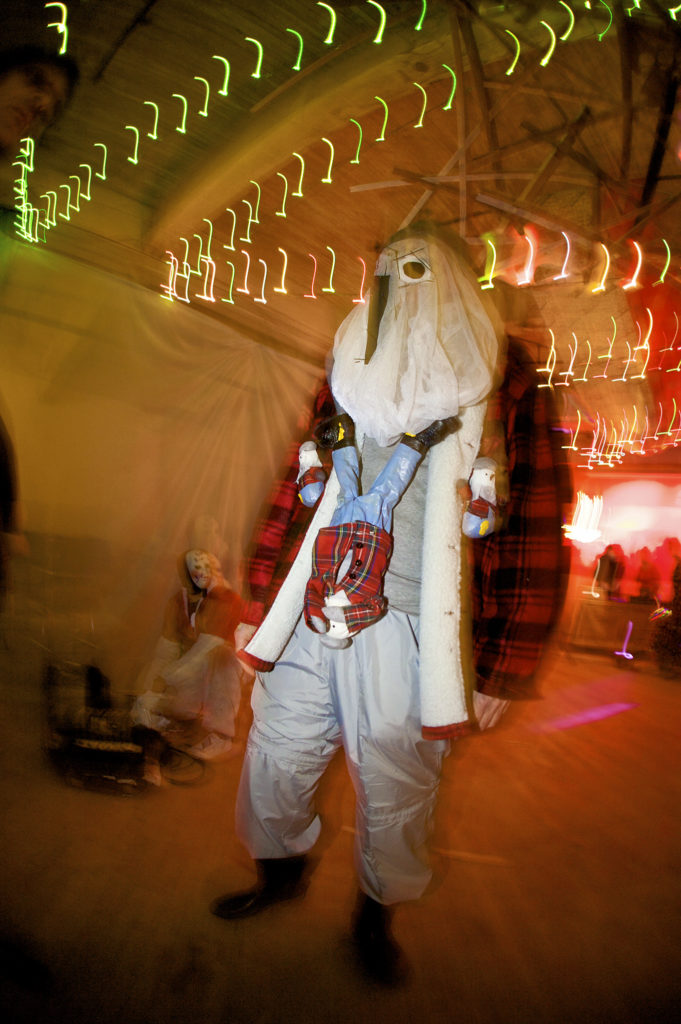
520	572
518	575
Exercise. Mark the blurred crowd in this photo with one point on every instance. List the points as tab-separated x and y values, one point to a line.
643	576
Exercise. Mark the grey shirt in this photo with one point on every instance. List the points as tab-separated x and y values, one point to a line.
403	578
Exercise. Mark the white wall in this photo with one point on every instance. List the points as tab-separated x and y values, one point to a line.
131	417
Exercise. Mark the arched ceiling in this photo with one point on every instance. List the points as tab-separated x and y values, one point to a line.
251	159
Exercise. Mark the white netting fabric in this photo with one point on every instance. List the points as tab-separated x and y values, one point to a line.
436	349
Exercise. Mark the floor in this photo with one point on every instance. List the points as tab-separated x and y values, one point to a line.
556	895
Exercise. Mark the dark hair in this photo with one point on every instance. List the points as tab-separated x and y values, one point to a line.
23	56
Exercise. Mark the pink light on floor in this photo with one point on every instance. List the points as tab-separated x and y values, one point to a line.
583	717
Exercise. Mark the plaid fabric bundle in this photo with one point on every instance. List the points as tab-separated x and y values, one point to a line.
369	548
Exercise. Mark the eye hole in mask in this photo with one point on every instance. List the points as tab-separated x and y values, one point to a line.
412	269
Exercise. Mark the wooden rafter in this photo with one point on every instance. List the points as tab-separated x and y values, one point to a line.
451	182
594	99
462	121
528	212
139	19
626	63
643	215
480	91
565	148
536	136
468	141
664	123
553	159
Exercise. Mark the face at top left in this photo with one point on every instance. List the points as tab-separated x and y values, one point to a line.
31	97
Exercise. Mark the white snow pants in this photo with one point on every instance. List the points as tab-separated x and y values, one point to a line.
364	697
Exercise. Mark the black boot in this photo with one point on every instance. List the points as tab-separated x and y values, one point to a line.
379	954
278	880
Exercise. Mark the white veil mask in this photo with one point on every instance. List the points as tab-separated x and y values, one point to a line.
436	347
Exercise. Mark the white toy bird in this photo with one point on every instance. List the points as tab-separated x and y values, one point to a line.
479	519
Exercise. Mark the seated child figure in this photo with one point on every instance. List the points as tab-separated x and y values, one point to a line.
195	675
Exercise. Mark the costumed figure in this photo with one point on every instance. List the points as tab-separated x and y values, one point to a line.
195	676
410	375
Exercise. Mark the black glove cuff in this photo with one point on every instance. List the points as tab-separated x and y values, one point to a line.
336	432
436	432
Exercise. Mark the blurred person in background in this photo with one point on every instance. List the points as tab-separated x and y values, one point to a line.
609	571
665	557
647	576
666	639
35	87
194	679
12	538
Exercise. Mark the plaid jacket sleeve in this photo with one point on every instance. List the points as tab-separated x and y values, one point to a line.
519	573
281	525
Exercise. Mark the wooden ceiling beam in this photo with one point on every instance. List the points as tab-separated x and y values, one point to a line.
468	141
664	123
537	136
480	92
462	121
263	141
545	171
624	30
451	182
139	19
527	212
566	149
642	215
592	98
